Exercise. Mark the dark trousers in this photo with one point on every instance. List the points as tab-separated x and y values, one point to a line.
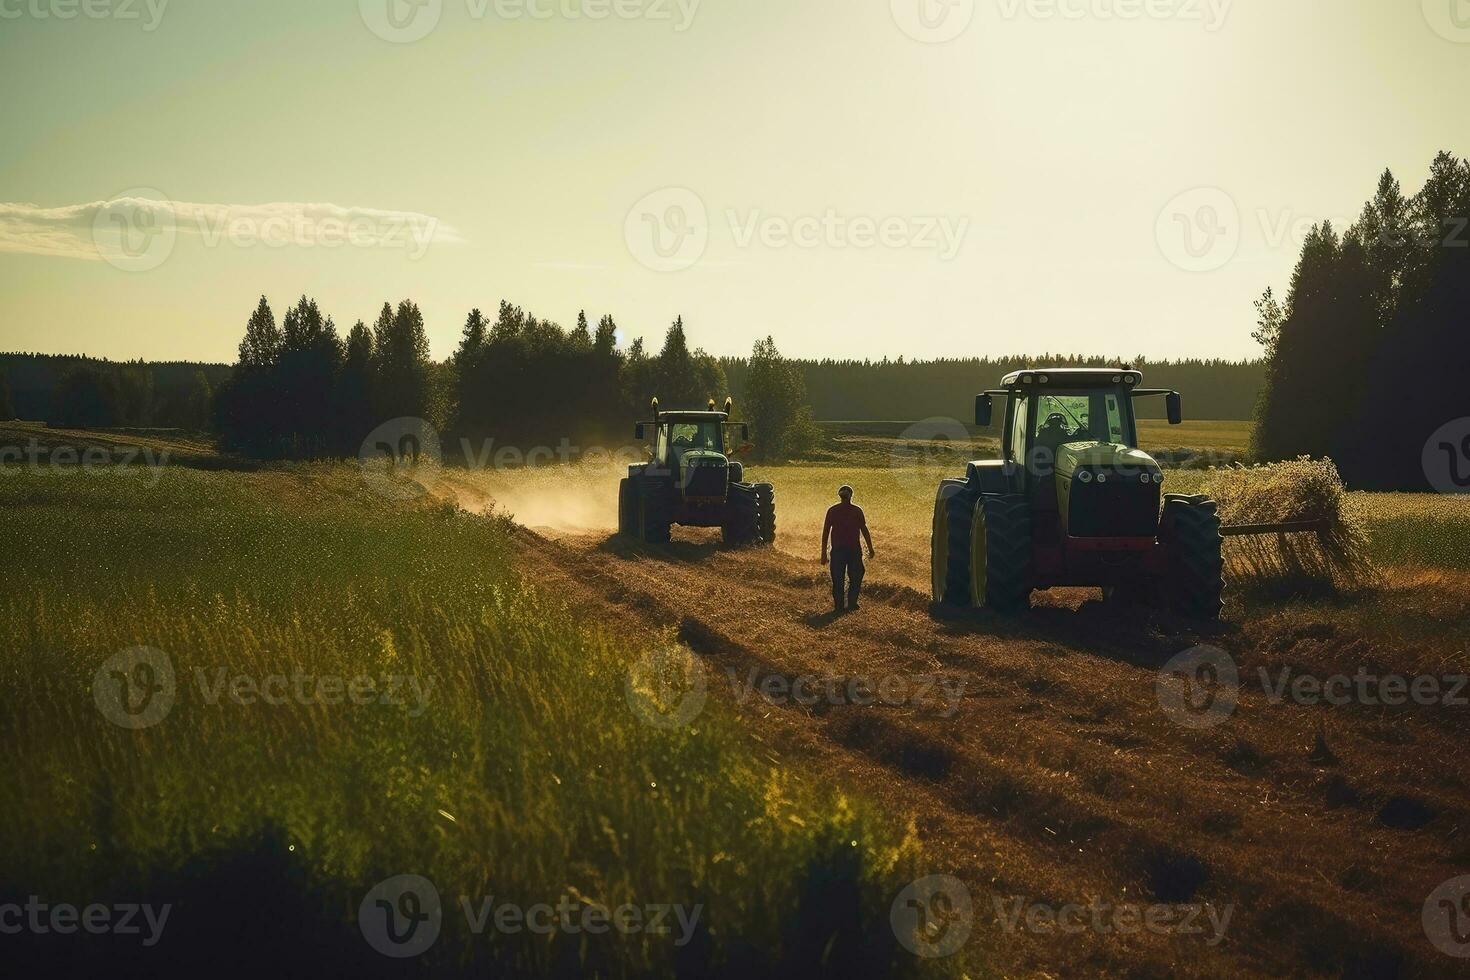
847	565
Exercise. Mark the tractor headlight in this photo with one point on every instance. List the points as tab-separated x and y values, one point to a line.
1158	478
1085	476
1102	478
1145	478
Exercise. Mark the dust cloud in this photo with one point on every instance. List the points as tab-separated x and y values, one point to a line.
577	497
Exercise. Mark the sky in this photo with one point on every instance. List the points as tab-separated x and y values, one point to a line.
857	178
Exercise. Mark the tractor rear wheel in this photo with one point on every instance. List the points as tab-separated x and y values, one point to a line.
654	519
949	543
742	517
1001	564
1191	529
765	496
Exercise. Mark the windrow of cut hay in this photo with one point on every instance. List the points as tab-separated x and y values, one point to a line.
1336	556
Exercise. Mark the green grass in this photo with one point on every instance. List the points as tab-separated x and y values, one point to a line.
528	776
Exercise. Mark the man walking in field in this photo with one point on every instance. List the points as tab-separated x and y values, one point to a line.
845	522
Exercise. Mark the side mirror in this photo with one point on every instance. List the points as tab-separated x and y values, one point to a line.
638	432
984	411
1176	408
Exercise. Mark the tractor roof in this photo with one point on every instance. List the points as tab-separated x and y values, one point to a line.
1072	377
693	417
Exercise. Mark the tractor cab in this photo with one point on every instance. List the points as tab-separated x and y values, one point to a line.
694	448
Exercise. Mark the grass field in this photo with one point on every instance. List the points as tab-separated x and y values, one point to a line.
505	749
510	762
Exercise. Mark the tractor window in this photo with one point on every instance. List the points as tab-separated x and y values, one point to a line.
1019	430
1092	416
685	436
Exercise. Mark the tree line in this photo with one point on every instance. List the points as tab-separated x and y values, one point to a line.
1366	357
301	390
80	391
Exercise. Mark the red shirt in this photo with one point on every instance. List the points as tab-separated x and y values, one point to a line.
844	521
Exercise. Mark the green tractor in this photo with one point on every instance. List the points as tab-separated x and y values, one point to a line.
691	480
1074	502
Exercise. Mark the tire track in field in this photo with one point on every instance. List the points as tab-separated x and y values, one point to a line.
1059	778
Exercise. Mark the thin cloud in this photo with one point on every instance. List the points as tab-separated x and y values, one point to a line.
93	230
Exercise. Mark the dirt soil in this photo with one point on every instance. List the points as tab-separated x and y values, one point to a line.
1055	776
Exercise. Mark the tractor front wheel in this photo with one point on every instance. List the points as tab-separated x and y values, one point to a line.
1001	565
1191	529
949	544
627	508
654	521
742	517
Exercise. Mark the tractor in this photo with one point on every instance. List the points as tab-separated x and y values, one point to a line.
1073	501
691	480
